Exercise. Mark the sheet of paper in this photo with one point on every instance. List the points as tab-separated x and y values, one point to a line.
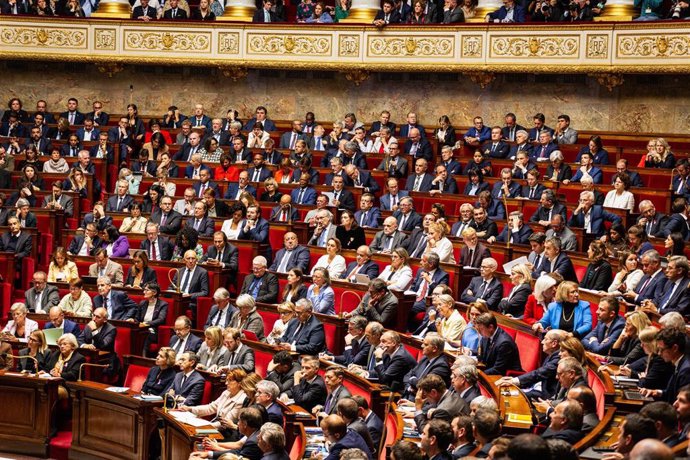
510	264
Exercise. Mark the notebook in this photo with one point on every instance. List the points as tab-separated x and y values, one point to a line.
52	335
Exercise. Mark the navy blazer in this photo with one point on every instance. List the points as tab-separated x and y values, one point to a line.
276	212
492	294
356	353
386	199
120	304
391	371
206	226
192	390
546	374
104	340
678	380
405	129
310	394
679	300
538	190
160	312
452	167
501	150
522	236
501	13
371	219
496	210
310	339
126	203
501	355
189	170
309	196
677	223
438	366
597	217
424	149
563	265
543	152
658	222
68	327
198	285
234	187
425	185
543	214
299	258
158	380
414	220
649	290
264	173
481	186
514	189
603	337
258	233
228	258
600	158
268	289
370	268
439	277
165	247
367	182
597	175
527	148
209	185
173	222
230	310
193	343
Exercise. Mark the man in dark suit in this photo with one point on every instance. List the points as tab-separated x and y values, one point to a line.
389	238
679	220
674	296
418	146
485	286
387	15
442	183
214	206
99	117
515	230
205	183
333	378
289	139
43	296
238	355
393	361
222	253
221	312
509	131
472	252
496	147
406	216
566	422
235	189
16	241
292	255
117	303
506	186
652	282
73	115
357	346
168	220
265	14
454	14
342	198
305	193
410	124
484	226
439	403
368	215
548	207
122	200
363	265
532	190
378	304
284	211
143	165
100	335
590	216
635	179
42	145
652	221
390	201
416	243
609	327
466	215
498	350
88	133
258	173
427	278
671	345
546	146
556	261
362	179
420	181
188	385
304	333
383	121
156	246
309	389
260	284
432	362
191	280
256	229
175	13
373	422
57	320
183	340
86	244
203	224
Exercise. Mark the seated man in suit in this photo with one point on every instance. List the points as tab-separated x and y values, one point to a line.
221	312
678	220
267	394
260	284
204	183
238	355
674	296
170	221
122	199
472	252
566	422
378	304
559	230
106	267
391	200
542	151
466	216
442	183
486	286
362	179
523	165
506	186
363	265
86	244
556	261
548	207
533	189
222	254
305	193
56	319
498	350
416	242
393	361
586	168
333	378
58	200
432	362
672	344
100	335
609	327
117	303
420	180
652	221
439	402
256	228
342	198
494	208
188	385
183	340
265	14
465	378
43	296
425	281
175	13
192	280
348	409
515	230
284	212
389	238
635	179
590	216
309	389
156	246
304	333
235	190
496	147
357	346
368	215
292	255
407	217
281	371
337	169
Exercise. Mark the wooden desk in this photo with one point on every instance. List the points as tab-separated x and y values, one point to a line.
514	408
109	425
178	439
25	421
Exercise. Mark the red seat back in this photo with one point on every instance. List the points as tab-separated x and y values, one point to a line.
203	307
261	360
206	398
511	332
249	335
136	376
392	433
530	350
297	449
599	391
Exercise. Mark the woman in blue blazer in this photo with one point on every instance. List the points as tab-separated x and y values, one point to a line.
567	313
320	293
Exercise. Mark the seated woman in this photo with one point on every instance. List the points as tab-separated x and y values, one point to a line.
226	171
61	268
674	245
163	181
31	158
271	194
418	17
65	362
544	293
476	183
627	348
651	369
342	9
398	275
449	322
599	274
56	164
514	304
155	148
135	223
160	376
227	407
78	302
283	174
116	245
558	170
349	233
628	274
167	165
294	288
18	329
596	148
320	15
567	313
615	240
332	260
320	293
470	336
211	152
233	227
571	347
661	156
27	219
479	164
75	182
637	238
38	349
257	137
286	312
152	199
140	274
212	352
439	244
620	197
247	318
187	238
203	13
152	313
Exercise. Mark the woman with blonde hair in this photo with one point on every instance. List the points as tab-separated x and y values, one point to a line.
271	194
212	351
627	348
18	329
450	324
160	376
567	313
661	156
61	268
513	305
38	349
398	275
543	294
572	347
439	244
286	311
332	260
65	362
651	369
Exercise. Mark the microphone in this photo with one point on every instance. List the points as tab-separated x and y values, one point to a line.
165	402
6	355
89	365
173	271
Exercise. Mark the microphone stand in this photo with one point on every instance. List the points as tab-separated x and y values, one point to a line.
89	365
387	411
167	396
673	175
5	355
173	271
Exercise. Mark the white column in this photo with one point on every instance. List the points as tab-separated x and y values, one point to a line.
238	10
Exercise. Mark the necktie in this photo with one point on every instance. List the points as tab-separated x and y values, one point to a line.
394	200
71	118
174	13
196	224
420	246
202	189
403	222
293	138
178	346
471	256
329	402
537	262
482	290
119	203
531	193
417	183
461	228
363	218
423	289
218	317
257	174
163	218
667	296
300	196
336	194
184	380
319	145
185	281
282	268
154	256
283	216
232	358
107	307
644	285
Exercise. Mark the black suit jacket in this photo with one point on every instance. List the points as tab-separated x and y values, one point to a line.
259	16
181	14
193	343
356	353
392	369
158	380
160	312
414	220
70	369
394	17
492	294
139	12
658	222
22	247
193	388
198	285
228	257
173	222
268	290
480	252
501	355
347	200
370	268
214	313
310	339
165	247
121	305
310	394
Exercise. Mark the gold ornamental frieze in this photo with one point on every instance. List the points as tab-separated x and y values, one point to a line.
646	46
597	46
150	40
535	47
411	46
472	46
229	43
293	44
348	45
44	37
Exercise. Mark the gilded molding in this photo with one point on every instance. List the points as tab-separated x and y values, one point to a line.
151	40
105	39
44	37
348	45
472	46
645	46
357	76
229	43
483	79
597	46
531	47
411	47
109	68
608	80
289	44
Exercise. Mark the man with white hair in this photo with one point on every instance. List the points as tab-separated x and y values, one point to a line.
121	201
304	333
191	280
591	216
325	229
260	284
389	238
486	286
271	441
267	393
222	311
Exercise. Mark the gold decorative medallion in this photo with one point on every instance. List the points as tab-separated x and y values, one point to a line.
229	43
137	40
542	46
411	47
289	44
348	46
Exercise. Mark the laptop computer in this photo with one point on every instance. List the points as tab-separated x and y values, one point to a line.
52	335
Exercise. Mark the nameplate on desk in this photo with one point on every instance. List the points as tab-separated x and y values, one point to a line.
206	431
119	390
519	418
148	397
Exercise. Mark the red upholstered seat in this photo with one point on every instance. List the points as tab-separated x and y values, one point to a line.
203	307
136	376
250	335
414	351
599	391
530	350
297	448
511	332
261	360
206	398
392	433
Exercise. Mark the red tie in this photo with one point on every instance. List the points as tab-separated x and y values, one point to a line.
283	216
422	293
153	251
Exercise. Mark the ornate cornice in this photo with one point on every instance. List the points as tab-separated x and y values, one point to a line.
479	50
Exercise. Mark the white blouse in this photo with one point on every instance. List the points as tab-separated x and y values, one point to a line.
626	200
401	278
444	250
335	269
